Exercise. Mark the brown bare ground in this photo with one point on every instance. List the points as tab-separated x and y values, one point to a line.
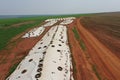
106	28
108	64
97	62
15	52
82	68
17	49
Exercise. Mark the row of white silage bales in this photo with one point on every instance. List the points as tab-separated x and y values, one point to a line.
60	19
50	23
57	62
66	21
49	59
31	66
34	32
39	30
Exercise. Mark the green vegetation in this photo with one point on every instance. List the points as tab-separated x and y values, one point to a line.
82	45
96	72
76	34
8	30
70	15
74	66
12	69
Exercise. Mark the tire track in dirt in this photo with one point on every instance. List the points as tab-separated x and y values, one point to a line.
107	63
82	68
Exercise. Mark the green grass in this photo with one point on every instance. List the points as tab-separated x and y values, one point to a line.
72	15
96	72
6	34
7	31
82	44
77	36
12	69
74	66
11	21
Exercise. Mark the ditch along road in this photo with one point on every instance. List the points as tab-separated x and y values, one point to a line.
96	62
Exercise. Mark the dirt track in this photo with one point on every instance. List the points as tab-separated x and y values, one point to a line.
101	63
15	52
82	69
97	62
106	29
17	49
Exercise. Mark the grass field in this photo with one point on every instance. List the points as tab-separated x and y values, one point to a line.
8	31
93	40
11	27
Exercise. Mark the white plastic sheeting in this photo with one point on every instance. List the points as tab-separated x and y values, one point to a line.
49	59
31	65
65	22
59	19
50	23
57	62
34	32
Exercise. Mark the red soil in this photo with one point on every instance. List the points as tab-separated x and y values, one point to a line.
106	29
82	68
108	63
15	52
97	62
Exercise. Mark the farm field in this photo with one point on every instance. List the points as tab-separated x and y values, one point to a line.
106	27
15	26
74	47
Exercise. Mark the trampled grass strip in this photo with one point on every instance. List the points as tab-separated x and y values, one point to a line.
77	36
96	72
12	69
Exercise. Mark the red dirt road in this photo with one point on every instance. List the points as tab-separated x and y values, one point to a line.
97	62
82	69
